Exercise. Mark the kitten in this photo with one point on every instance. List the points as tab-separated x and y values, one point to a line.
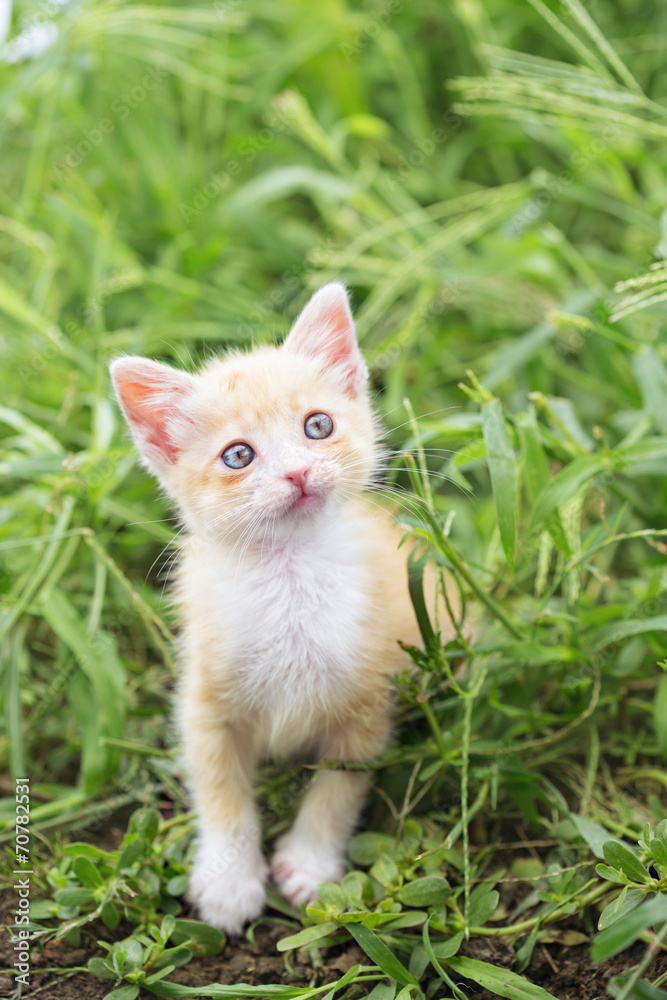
292	592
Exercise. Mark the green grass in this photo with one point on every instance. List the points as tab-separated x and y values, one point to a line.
175	179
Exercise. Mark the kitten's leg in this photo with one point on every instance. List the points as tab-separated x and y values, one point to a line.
313	851
228	877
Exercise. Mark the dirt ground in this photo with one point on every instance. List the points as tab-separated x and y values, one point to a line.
564	970
562	967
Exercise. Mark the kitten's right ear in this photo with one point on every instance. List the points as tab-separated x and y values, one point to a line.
325	330
151	397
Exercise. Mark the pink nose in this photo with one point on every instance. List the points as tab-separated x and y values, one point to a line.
298	477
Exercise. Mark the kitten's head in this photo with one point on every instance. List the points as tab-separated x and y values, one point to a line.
262	443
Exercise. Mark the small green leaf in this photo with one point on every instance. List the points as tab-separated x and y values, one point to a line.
177	885
210	940
101	968
365	848
74	897
133	954
87	873
160	974
149	881
610	874
661	832
167	926
484	900
332	895
131	853
411	918
625	931
659	852
88	851
145	822
447	949
594	834
357	888
617	855
645	837
385	870
305	938
427	891
43	909
626	900
110	916
176	957
129	992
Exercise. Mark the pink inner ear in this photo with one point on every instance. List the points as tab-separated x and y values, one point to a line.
343	342
325	329
153	419
151	395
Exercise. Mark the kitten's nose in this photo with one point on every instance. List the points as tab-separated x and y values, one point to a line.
298	477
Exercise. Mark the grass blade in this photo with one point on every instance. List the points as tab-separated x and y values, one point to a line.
378	953
502	467
625	931
501	982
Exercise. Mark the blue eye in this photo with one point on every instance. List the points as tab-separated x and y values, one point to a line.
238	455
318	425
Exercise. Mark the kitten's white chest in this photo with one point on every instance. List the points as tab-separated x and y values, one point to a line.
297	623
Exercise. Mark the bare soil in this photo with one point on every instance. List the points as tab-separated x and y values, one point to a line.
562	968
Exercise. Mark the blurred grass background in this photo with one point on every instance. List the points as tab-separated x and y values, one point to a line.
176	178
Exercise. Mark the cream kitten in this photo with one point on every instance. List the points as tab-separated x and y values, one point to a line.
292	592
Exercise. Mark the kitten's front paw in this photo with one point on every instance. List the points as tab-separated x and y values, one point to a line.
227	882
298	867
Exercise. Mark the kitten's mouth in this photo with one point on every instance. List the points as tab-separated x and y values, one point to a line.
306	500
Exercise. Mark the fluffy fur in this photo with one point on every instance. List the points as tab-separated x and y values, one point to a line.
292	593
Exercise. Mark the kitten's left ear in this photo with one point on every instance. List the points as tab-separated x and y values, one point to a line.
325	330
152	398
